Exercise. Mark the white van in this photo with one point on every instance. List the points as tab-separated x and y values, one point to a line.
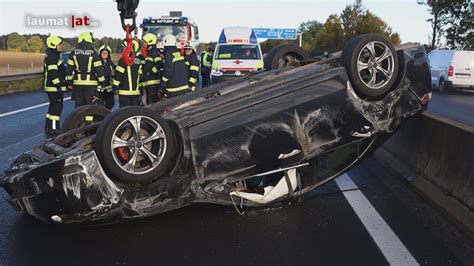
237	53
452	69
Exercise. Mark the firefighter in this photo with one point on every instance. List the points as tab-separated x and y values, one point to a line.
106	93
84	71
192	62
206	65
151	69
127	80
175	75
54	84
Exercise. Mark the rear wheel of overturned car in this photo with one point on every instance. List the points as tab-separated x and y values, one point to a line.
135	145
85	115
285	55
371	64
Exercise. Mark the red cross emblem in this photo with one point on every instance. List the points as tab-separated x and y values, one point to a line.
237	62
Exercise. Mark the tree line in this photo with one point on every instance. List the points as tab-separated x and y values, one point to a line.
35	43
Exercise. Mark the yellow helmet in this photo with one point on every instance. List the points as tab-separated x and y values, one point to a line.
86	36
53	42
136	45
149	38
106	48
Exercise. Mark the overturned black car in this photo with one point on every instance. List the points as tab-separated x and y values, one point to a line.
267	137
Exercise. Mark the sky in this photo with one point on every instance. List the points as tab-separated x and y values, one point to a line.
405	17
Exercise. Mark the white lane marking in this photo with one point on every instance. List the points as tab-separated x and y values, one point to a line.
25	140
392	248
29	108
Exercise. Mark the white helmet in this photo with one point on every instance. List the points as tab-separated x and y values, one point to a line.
169	40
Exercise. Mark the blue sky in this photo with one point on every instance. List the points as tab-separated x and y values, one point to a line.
404	16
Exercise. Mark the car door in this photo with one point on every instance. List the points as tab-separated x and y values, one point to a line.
307	118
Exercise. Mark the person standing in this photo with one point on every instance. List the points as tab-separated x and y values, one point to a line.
127	80
151	69
175	77
192	62
54	84
84	71
106	93
206	66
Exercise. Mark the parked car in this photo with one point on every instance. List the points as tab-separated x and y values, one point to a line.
451	69
267	137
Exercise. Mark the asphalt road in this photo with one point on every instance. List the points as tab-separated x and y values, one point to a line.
367	217
458	106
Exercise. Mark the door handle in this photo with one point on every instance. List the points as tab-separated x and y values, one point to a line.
362	135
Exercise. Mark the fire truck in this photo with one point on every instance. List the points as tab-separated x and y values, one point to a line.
183	28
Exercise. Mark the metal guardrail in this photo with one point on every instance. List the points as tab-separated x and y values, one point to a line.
20	76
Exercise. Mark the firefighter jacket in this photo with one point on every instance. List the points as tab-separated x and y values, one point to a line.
193	66
127	78
152	68
54	72
175	71
84	66
109	69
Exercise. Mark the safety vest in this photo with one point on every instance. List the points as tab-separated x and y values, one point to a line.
205	60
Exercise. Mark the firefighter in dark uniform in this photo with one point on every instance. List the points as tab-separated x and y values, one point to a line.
84	71
175	75
192	62
127	80
151	69
54	84
106	93
206	66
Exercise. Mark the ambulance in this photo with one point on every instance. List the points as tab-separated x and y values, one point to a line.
237	54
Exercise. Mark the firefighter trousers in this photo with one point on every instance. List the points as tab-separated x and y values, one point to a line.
106	99
127	100
52	124
206	77
84	94
151	94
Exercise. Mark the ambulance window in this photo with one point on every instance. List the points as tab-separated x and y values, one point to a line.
238	51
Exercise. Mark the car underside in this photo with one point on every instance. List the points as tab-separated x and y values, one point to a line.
267	137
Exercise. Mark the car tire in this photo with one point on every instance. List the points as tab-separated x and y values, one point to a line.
80	116
133	159
371	64
284	55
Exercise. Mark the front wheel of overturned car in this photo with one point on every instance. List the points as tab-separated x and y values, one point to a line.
85	115
371	64
135	145
285	55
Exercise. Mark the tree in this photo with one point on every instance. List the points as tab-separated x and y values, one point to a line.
35	45
309	30
354	20
331	36
452	20
438	10
460	29
67	47
15	41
